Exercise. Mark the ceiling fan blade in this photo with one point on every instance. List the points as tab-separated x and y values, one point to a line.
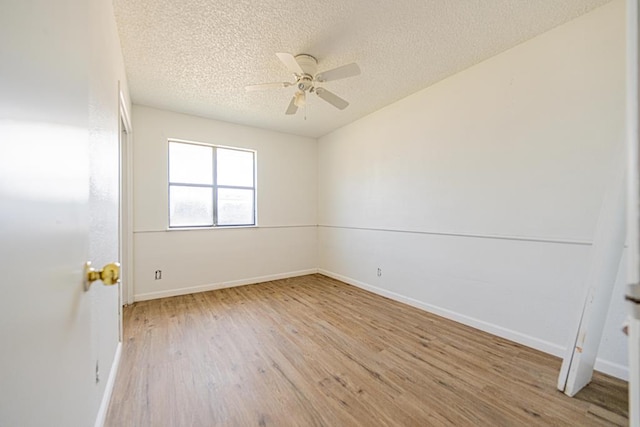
262	86
292	108
343	72
290	62
332	98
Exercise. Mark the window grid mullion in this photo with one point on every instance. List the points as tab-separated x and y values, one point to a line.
214	154
186	184
235	187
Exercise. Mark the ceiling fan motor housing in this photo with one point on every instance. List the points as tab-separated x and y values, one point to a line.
305	83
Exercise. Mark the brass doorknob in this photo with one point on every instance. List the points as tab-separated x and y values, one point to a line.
110	274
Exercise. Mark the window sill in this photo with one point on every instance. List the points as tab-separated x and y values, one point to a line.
218	227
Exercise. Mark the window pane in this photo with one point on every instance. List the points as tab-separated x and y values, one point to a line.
235	207
190	206
190	164
235	167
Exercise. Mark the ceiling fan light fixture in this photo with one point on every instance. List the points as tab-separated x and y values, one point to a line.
300	99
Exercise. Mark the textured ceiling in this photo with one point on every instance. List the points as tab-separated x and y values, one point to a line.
196	56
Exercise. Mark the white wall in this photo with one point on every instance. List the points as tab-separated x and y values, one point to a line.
478	197
283	244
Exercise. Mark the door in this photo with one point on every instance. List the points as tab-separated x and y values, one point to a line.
57	208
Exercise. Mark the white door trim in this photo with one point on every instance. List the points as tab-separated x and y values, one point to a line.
126	195
633	193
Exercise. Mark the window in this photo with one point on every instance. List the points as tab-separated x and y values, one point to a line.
210	186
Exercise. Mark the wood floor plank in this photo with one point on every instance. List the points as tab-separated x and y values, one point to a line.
312	351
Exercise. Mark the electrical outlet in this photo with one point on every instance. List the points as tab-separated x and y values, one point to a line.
97	371
379	272
158	275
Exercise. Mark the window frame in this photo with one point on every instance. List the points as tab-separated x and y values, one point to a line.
213	186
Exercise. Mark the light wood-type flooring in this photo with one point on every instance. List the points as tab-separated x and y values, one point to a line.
313	351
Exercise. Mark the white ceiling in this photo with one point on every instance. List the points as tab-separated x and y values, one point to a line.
196	56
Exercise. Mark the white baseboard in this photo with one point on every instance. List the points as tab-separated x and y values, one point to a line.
108	390
613	369
500	331
221	285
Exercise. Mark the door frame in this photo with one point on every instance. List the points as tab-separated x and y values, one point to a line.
126	200
633	197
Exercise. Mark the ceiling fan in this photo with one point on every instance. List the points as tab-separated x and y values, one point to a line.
304	68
